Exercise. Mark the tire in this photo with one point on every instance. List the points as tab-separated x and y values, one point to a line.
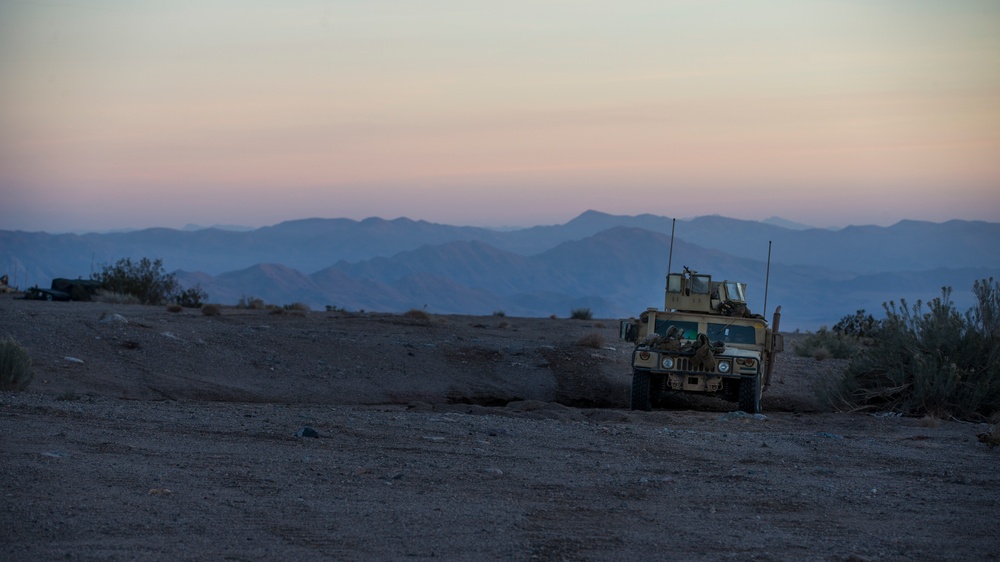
750	395
640	391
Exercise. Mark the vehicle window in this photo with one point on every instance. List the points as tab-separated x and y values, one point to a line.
674	283
732	334
734	291
689	330
700	284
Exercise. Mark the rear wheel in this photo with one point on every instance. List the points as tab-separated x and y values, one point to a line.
750	395
640	391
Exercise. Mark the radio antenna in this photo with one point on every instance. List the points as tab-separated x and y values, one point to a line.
670	257
767	277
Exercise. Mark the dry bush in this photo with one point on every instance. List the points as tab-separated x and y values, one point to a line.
111	297
417	314
825	344
991	437
297	307
821	354
174	308
932	359
15	365
499	313
276	311
593	339
581	314
211	310
252	303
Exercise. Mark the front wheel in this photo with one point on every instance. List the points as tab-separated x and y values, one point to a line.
640	391
750	395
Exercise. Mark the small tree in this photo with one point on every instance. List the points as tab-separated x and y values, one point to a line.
144	279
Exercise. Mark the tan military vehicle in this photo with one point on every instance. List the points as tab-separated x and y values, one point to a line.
705	341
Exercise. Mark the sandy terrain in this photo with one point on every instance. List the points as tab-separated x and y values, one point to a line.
172	436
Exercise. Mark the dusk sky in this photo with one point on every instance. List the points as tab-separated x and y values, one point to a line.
133	113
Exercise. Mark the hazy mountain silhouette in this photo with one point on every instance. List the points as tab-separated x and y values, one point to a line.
613	264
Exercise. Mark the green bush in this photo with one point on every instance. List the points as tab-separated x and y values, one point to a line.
147	281
15	365
192	297
581	314
860	325
933	360
825	344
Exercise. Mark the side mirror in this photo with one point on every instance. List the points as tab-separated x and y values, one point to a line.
627	330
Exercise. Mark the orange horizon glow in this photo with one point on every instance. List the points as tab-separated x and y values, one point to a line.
141	114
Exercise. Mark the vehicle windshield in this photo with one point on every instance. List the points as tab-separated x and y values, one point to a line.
732	334
689	330
700	284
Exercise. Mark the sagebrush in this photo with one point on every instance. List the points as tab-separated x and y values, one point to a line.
931	360
15	365
581	314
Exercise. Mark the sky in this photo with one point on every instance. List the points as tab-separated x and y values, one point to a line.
139	113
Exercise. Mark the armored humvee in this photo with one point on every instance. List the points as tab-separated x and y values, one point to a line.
705	340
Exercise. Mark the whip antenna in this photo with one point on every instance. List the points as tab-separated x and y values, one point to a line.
767	277
670	257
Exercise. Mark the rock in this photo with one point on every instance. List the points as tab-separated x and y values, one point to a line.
114	319
307	432
73	360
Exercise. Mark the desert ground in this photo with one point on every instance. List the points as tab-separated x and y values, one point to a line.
257	435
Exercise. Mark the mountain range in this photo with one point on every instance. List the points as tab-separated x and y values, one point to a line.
613	264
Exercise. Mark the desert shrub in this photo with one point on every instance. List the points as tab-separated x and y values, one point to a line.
581	314
252	303
825	344
499	313
932	360
145	279
174	308
593	339
417	314
110	297
859	325
15	365
297	306
192	297
211	310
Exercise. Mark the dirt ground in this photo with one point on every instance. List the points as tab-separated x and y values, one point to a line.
155	435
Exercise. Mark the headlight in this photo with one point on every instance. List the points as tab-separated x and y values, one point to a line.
723	366
667	363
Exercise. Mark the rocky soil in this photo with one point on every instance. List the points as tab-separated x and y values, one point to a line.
155	435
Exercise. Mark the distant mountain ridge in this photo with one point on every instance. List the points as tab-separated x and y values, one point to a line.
613	264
